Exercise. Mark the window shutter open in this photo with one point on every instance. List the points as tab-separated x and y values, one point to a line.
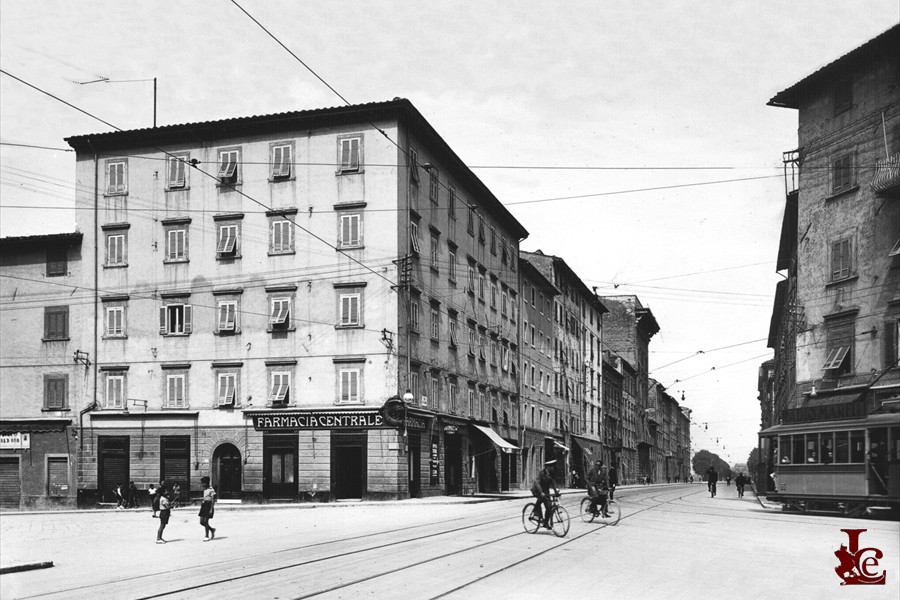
188	318
163	323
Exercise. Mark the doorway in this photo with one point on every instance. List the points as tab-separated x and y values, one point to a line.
453	464
415	465
280	467
226	473
348	465
113	465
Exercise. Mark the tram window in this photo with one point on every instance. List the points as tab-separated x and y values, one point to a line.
784	448
842	447
797	449
826	449
857	446
812	443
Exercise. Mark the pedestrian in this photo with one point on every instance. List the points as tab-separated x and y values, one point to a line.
613	480
120	497
207	509
165	510
132	496
154	499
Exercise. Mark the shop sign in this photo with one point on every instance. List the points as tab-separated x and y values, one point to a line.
343	419
15	441
413	422
825	412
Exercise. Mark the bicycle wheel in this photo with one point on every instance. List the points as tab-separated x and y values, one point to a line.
529	521
559	521
587	515
613	512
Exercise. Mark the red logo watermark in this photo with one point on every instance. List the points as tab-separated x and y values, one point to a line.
858	565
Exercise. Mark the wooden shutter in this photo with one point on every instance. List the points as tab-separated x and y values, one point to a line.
163	320
188	318
10	482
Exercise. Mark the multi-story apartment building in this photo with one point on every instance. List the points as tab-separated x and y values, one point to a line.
577	362
628	328
541	438
683	443
614	410
834	325
45	373
267	284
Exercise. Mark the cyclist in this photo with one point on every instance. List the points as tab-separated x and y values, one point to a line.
711	478
597	486
540	489
740	482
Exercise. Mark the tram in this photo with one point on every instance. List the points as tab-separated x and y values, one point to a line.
849	467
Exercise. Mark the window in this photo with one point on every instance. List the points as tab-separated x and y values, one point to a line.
842	174
414	237
115	321
349	379
840	260
282	236
280	313
435	250
116	177
226	389
891	343
470	222
473	339
451	205
435	391
482	350
414	383
451	257
481	286
349	154
434	187
57	261
176	390
470	406
176	319
57	476
227	316
177	172
350	233
841	334
349	310
504	301
115	389
413	163
56	392
471	272
493	240
454	396
226	247
115	249
505	358
494	351
843	97
56	323
435	323
414	314
494	295
229	173
454	331
176	245
282	160
280	390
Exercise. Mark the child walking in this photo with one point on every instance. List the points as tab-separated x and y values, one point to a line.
165	510
207	509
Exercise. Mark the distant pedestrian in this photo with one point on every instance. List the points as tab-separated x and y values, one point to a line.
692	479
613	480
153	492
165	510
207	509
120	497
132	496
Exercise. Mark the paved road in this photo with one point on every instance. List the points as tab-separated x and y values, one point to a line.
670	543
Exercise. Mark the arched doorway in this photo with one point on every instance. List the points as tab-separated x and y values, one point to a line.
226	472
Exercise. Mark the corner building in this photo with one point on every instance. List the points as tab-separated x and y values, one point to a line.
265	284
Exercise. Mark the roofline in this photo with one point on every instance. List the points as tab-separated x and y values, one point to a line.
789	97
399	109
593	298
74	236
535	273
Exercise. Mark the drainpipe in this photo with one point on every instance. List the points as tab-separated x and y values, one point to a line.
93	403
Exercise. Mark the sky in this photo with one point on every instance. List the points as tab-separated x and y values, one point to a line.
631	139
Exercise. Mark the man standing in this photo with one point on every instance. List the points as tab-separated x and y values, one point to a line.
597	484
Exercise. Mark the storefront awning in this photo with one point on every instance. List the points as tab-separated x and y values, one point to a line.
585	449
496	439
34	425
562	447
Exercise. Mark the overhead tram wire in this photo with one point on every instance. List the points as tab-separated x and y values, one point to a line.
233	188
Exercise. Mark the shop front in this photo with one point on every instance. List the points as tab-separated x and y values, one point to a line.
36	464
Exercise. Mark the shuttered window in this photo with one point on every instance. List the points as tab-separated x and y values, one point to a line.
57	476
350	154
56	392
56	323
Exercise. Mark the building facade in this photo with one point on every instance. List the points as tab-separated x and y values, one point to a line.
45	316
267	284
834	326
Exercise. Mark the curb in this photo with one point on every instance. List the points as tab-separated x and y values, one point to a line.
26	567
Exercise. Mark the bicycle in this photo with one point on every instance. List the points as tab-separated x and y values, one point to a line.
559	517
613	514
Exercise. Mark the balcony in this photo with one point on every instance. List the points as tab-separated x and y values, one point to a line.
887	175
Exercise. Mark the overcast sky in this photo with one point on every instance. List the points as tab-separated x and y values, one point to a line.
658	94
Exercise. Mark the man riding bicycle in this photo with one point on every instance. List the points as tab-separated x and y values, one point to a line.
540	489
597	486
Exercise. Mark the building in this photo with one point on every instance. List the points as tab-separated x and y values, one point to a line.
270	287
615	416
577	416
834	326
628	328
44	316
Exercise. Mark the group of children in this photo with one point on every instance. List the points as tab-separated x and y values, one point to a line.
163	500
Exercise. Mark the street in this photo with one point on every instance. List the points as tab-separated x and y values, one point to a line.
673	541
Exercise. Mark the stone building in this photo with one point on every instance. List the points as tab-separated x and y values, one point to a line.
267	284
834	326
45	320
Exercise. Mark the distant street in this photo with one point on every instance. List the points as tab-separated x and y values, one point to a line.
674	541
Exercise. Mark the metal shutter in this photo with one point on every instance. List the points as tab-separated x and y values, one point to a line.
10	483
114	466
176	462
